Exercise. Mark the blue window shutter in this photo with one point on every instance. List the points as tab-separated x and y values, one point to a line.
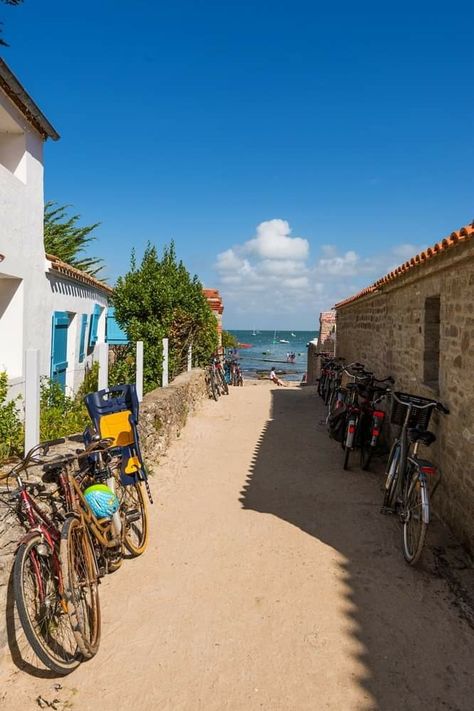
59	347
114	334
82	343
94	325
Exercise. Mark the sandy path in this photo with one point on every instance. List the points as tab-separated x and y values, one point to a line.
271	582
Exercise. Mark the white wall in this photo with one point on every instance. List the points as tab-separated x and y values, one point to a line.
29	291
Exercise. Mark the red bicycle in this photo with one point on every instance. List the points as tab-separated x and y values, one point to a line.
37	580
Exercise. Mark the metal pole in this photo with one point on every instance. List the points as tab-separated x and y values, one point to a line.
190	357
139	370
164	381
103	349
32	399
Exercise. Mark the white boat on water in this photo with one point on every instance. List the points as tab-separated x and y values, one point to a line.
294	335
283	340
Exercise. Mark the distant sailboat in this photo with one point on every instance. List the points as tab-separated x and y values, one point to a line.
254	332
293	334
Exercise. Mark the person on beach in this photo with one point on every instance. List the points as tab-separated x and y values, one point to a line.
275	379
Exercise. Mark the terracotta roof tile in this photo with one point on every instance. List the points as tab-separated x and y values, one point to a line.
77	274
460	236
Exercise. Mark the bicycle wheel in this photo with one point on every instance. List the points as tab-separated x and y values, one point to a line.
349	437
328	391
213	387
414	525
391	480
135	518
223	383
41	606
366	449
81	585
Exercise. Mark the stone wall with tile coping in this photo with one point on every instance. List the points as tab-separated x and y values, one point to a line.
386	331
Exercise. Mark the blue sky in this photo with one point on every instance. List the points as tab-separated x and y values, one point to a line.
293	150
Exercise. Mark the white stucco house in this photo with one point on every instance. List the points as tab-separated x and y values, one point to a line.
45	304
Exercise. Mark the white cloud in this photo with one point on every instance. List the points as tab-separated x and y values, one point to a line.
270	276
273	241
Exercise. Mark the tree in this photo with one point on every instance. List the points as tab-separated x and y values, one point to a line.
229	340
7	2
159	299
64	238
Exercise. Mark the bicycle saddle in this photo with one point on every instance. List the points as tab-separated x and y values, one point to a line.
423	436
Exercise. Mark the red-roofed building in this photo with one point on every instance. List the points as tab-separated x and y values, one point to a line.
214	300
417	324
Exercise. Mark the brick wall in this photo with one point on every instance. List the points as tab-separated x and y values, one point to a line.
390	330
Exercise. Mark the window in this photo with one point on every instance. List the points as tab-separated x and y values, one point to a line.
432	334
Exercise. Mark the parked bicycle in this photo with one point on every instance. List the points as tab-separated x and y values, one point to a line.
408	477
38	582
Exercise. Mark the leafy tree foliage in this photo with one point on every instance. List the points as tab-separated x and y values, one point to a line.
67	240
7	2
229	340
159	299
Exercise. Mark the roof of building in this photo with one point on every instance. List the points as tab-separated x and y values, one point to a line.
214	300
461	236
23	101
71	272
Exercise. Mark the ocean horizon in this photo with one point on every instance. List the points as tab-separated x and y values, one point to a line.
269	348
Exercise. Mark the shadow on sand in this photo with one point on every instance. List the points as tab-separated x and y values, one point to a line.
417	649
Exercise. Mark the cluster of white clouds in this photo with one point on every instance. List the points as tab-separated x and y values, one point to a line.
270	277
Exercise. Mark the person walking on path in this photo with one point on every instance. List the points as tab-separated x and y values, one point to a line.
275	379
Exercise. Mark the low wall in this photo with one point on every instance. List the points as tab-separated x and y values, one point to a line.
164	411
163	414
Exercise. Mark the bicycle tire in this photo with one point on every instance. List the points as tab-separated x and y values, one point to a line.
366	452
327	392
413	546
135	537
392	474
54	655
214	390
223	383
81	585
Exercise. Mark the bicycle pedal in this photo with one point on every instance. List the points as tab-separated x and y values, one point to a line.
132	515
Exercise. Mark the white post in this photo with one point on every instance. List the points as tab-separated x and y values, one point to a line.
32	399
103	349
190	357
139	370
164	381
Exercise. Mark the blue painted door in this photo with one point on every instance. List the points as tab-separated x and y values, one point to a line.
59	348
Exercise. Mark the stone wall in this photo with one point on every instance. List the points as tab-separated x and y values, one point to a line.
327	324
163	414
390	332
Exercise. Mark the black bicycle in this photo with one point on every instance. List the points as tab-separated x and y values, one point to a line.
408	477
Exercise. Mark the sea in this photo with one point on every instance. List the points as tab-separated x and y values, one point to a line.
266	350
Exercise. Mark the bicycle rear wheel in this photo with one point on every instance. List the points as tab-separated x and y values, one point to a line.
41	606
213	387
414	525
81	585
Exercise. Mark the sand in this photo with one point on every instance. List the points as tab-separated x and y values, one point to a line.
271	582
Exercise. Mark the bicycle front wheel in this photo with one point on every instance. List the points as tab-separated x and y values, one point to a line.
414	524
81	586
136	519
391	481
41	606
223	383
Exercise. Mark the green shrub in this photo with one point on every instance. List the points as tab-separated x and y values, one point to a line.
60	414
11	426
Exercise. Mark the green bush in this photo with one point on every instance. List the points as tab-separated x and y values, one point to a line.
60	414
11	426
159	299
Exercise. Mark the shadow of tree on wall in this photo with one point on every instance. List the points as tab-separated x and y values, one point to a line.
416	651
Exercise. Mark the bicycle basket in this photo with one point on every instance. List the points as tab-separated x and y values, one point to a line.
418	418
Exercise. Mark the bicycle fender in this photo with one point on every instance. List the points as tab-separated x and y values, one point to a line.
425	498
